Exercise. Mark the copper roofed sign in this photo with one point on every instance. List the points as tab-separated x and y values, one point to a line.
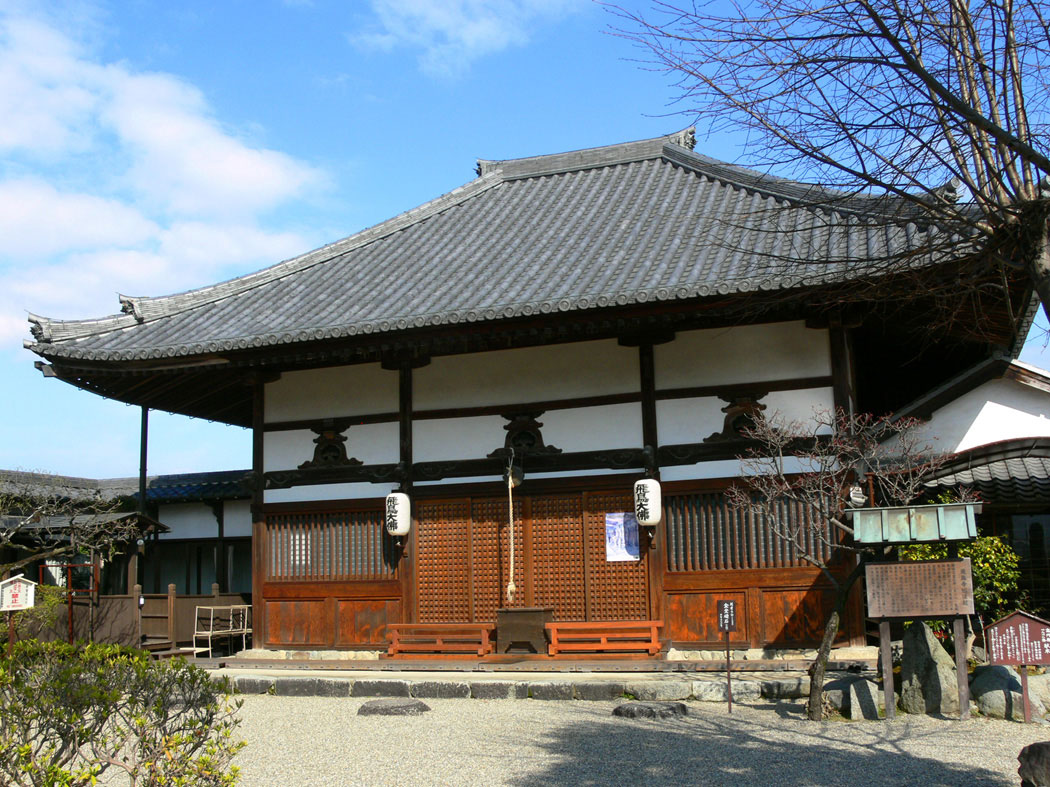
928	589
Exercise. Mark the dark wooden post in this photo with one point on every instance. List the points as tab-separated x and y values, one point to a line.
259	546
171	613
143	452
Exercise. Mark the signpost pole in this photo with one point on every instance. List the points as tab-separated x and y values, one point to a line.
10	633
886	656
729	673
961	671
1024	693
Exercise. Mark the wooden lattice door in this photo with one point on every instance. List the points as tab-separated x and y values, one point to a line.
463	559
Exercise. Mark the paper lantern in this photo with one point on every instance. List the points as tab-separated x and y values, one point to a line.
647	503
398	514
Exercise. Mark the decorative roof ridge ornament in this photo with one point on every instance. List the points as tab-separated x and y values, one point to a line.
130	305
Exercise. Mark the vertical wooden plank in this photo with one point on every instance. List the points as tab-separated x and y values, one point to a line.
528	562
647	375
886	658
962	673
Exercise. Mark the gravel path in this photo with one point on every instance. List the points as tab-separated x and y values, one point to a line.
307	741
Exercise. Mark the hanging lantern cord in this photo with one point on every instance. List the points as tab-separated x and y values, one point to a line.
511	587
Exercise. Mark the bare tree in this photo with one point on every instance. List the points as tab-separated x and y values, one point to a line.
938	107
798	478
39	524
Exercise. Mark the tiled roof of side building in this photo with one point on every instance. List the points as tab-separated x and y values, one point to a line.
1012	471
630	223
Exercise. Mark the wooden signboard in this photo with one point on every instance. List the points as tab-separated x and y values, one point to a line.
16	593
1019	640
930	589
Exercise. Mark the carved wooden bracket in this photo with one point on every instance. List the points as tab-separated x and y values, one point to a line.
524	437
331	447
742	412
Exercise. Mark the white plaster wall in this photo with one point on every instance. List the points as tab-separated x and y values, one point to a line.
594	428
188	520
304	494
457	438
774	351
723	468
371	443
237	518
526	375
997	410
694	420
328	393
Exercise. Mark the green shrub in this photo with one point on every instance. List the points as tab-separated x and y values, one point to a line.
69	714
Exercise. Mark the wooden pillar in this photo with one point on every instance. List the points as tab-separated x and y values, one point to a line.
404	420
647	374
841	367
143	453
258	517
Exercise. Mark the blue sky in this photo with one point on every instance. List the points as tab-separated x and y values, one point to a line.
150	147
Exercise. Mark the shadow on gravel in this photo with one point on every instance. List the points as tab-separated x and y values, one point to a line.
729	752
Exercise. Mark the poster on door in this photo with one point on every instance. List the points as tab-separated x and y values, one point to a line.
621	537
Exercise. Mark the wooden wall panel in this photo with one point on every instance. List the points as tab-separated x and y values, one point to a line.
558	556
302	623
692	617
795	617
619	590
363	622
490	557
443	561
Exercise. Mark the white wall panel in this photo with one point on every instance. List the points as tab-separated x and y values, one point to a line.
526	375
457	438
188	520
774	351
304	494
328	393
594	428
688	420
371	443
237	518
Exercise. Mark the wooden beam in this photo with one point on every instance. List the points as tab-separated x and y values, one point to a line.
259	545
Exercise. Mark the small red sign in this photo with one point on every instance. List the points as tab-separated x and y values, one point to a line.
1018	639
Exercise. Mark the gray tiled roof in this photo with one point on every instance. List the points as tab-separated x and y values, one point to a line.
641	221
1013	471
173	488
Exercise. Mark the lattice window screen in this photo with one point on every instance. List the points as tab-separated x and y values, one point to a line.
326	546
558	561
704	534
491	556
443	572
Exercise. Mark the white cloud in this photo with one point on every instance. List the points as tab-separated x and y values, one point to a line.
119	180
453	33
36	219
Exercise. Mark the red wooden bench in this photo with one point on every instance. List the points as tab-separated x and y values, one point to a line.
439	639
618	636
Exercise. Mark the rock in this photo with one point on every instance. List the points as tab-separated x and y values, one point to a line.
551	690
393	706
1039	686
498	690
785	688
312	687
715	690
440	689
659	690
928	680
600	690
979	655
997	692
1035	765
379	688
249	684
865	701
651	710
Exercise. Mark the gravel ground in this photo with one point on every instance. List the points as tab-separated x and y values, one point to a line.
306	741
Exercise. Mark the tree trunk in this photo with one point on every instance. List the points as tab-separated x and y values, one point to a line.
815	706
1033	235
